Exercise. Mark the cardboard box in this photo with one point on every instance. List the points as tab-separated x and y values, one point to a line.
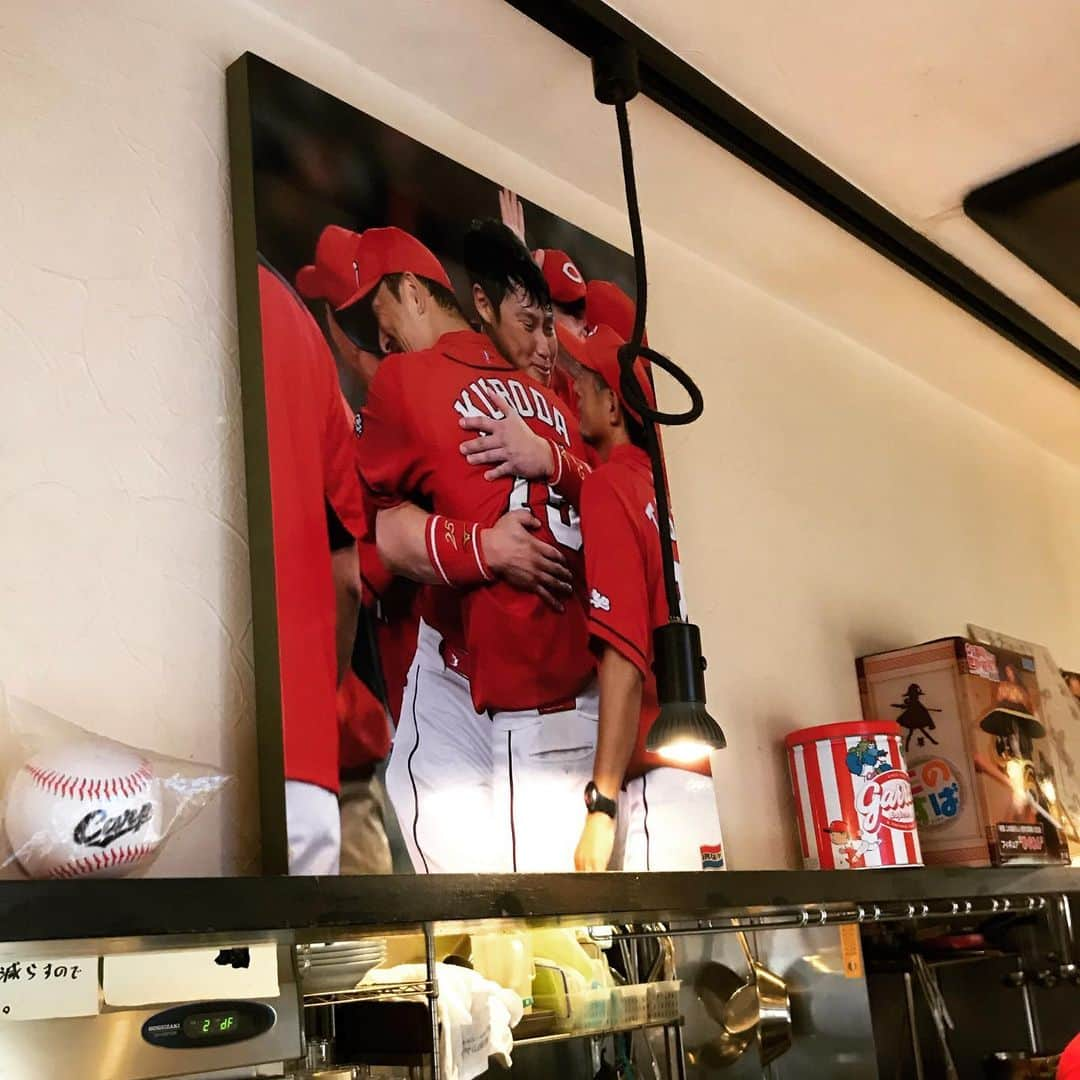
1059	712
976	747
1072	681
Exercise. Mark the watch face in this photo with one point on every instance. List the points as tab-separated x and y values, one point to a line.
596	802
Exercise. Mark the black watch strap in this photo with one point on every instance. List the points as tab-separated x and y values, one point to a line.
596	803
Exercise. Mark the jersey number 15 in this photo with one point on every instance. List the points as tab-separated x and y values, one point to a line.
562	518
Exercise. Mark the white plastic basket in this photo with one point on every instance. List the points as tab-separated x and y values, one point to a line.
590	1010
629	1005
663	1001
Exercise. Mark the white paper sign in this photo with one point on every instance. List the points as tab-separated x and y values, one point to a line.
44	989
191	975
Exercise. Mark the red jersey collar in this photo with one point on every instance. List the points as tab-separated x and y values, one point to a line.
629	454
472	348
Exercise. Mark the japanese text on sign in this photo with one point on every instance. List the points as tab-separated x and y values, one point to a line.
39	989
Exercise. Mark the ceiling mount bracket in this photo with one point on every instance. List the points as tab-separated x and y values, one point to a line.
616	75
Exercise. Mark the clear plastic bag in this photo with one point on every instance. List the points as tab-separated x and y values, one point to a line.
76	804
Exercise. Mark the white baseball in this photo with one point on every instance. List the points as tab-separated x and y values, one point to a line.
85	808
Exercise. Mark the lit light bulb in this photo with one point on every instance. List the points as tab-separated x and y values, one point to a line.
685	751
1048	790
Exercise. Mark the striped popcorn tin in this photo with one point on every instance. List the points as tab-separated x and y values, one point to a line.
853	797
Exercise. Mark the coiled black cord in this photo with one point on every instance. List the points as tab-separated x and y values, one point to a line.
634	348
629	385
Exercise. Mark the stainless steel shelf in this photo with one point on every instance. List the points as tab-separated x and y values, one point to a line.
419	991
599	1033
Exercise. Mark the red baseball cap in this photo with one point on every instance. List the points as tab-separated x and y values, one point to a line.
599	352
349	265
607	305
564	280
333	275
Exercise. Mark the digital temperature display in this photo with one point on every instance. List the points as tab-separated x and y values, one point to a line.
212	1025
208	1023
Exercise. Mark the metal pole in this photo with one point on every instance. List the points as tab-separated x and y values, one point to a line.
433	998
912	1027
1029	1016
680	1055
1066	941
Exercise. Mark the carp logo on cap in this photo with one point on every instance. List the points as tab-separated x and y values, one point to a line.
573	273
565	281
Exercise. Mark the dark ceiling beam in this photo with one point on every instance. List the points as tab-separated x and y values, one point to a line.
684	91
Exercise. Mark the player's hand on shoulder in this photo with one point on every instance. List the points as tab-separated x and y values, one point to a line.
509	445
595	845
516	556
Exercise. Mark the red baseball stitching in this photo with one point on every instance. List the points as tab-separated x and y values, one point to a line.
101	860
80	787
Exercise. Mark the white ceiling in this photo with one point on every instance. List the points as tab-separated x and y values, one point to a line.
915	103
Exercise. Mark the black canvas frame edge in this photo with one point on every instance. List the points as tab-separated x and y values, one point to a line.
268	717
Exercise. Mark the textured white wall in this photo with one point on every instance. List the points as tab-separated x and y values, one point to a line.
829	503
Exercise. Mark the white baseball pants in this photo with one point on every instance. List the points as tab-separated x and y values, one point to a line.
439	773
475	793
542	764
666	818
313	823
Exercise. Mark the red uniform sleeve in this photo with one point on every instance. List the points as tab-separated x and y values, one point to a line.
569	475
339	468
373	572
615	575
388	454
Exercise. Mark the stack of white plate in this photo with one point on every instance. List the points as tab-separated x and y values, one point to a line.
338	965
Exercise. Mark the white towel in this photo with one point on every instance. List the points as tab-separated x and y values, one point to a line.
475	1016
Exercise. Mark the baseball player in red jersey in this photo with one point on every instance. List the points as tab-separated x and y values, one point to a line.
667	817
311	459
607	305
531	679
566	283
437	674
511	299
331	278
578	306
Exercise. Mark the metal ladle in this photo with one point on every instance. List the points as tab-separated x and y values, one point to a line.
762	1005
716	985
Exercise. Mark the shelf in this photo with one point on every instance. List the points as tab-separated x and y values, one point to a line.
301	909
599	1033
412	991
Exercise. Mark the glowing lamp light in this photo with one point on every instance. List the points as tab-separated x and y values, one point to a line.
683	732
685	752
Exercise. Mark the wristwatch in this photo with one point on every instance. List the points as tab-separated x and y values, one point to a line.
596	803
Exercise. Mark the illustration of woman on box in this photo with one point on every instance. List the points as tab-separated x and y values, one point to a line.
915	717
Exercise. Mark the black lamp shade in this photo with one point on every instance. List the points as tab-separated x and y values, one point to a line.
683	731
